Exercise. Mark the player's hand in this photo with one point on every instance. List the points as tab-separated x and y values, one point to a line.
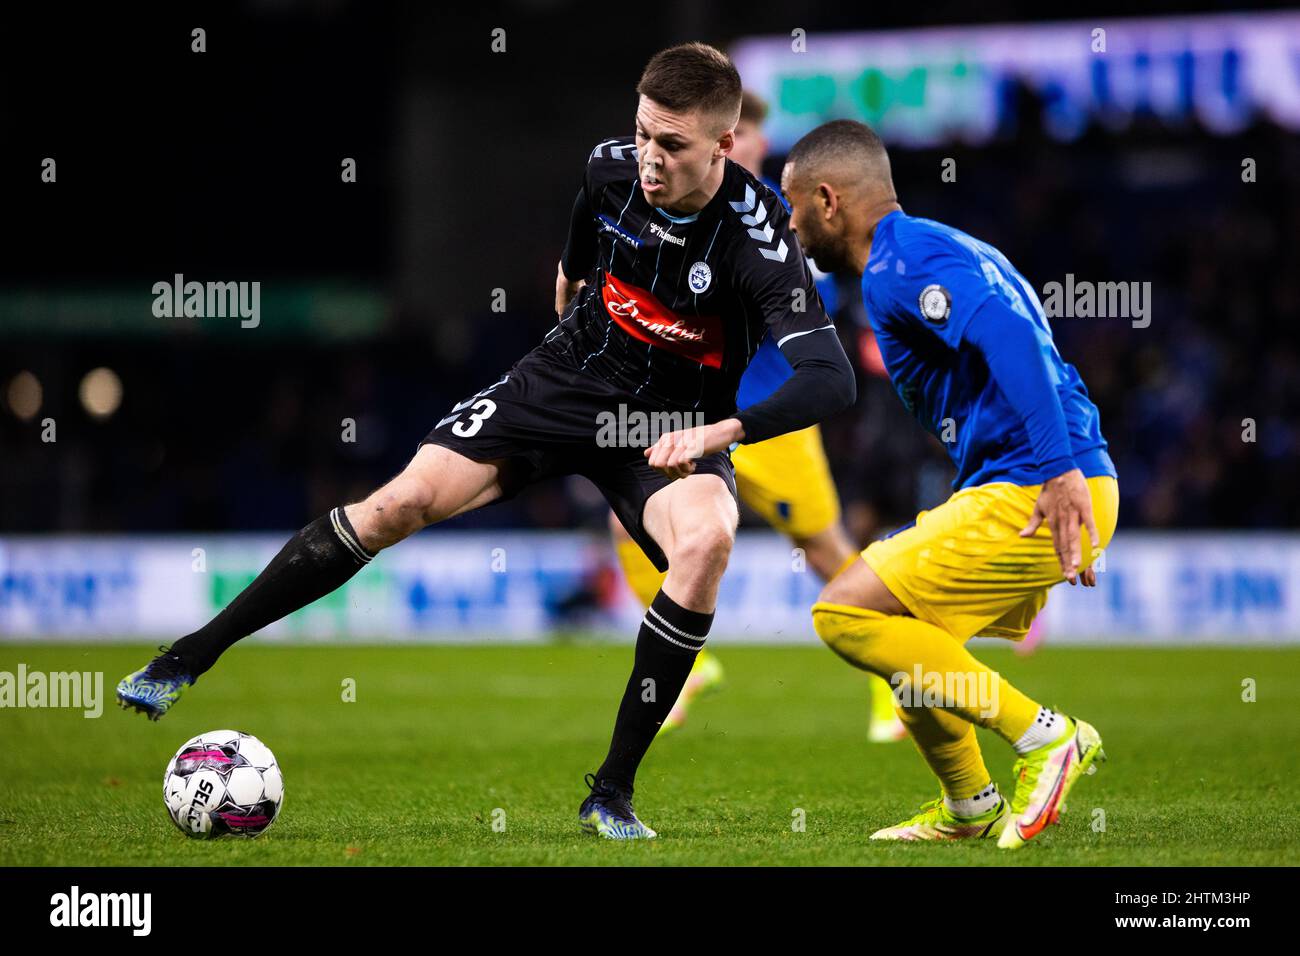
565	290
674	453
1064	503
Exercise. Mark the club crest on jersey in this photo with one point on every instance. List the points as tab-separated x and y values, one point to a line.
700	277
645	318
935	303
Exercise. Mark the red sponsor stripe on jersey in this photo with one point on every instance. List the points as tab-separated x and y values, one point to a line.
642	316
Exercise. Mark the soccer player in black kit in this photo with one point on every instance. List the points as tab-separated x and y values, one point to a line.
677	261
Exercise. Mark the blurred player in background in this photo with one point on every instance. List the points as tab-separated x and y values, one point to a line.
965	341
786	480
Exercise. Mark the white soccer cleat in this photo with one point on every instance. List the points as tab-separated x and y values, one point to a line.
937	822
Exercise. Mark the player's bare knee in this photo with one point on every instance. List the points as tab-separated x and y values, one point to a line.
835	591
397	510
705	545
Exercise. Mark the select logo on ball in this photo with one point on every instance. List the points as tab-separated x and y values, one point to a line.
221	783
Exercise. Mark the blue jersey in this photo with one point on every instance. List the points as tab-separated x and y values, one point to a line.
768	369
923	285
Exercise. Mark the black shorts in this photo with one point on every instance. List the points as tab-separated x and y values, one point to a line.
549	419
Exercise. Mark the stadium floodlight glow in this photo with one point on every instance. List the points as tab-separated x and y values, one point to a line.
24	395
100	392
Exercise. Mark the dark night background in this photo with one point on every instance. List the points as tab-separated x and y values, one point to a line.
225	166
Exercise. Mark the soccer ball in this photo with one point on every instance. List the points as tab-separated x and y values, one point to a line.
223	782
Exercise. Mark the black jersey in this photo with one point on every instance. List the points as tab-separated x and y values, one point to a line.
675	307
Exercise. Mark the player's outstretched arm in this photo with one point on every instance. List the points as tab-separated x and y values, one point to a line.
822	384
1012	350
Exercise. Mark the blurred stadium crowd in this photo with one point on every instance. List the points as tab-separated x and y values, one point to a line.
1200	407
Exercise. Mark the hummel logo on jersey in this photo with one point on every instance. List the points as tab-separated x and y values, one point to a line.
666	236
753	214
642	316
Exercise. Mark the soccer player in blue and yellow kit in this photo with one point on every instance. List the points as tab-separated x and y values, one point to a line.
968	347
786	480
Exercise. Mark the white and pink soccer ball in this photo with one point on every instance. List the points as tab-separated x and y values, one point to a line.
223	782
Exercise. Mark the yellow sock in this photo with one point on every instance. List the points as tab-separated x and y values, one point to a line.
882	699
947	743
888	644
642	576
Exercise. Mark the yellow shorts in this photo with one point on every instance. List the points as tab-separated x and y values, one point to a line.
787	480
964	567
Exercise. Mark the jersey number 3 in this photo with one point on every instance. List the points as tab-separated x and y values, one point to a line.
481	412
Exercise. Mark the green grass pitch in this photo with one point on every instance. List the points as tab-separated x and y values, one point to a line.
440	738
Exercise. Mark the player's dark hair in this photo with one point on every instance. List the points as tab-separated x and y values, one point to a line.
841	151
693	76
844	143
753	108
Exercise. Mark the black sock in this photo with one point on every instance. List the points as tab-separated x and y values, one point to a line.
315	561
666	646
